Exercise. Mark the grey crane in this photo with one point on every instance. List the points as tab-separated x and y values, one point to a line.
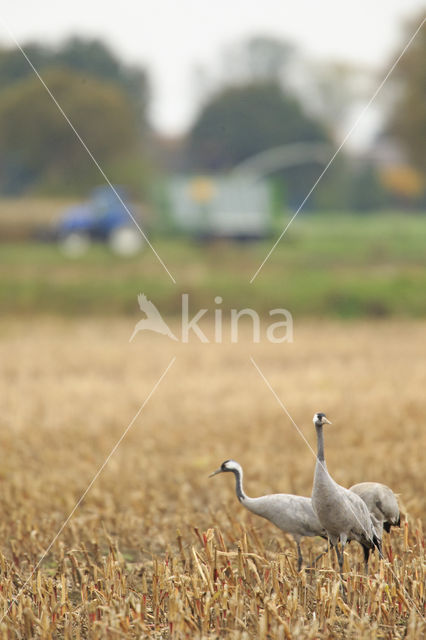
290	513
381	502
342	513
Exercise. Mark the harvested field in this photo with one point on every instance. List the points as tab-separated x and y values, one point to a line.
156	549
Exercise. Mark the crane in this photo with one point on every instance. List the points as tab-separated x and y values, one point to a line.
290	513
342	513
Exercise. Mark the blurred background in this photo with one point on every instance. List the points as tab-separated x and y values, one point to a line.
213	123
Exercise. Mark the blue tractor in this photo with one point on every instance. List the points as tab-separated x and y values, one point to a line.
102	218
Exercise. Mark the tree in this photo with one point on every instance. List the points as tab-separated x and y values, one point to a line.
95	58
241	121
335	88
14	66
39	144
257	59
407	122
87	56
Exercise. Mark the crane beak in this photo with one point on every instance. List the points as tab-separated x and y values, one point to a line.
327	421
215	473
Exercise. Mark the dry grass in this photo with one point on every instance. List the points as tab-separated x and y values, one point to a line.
20	217
157	549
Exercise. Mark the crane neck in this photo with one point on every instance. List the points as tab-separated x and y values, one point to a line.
320	442
239	485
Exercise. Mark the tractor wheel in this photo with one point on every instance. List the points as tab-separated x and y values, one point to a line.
74	245
126	241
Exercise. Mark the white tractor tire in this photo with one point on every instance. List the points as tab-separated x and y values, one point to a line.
126	241
74	245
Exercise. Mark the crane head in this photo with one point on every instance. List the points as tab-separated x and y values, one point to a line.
320	419
228	465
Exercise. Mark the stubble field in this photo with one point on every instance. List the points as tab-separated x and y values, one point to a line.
156	549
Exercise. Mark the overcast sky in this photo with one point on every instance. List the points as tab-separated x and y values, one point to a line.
172	37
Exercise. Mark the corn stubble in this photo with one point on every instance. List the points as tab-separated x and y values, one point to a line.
158	550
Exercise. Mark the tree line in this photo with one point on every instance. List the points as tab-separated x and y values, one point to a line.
260	104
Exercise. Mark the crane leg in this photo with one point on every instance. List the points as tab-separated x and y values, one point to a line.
378	545
299	556
321	555
366	556
340	559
